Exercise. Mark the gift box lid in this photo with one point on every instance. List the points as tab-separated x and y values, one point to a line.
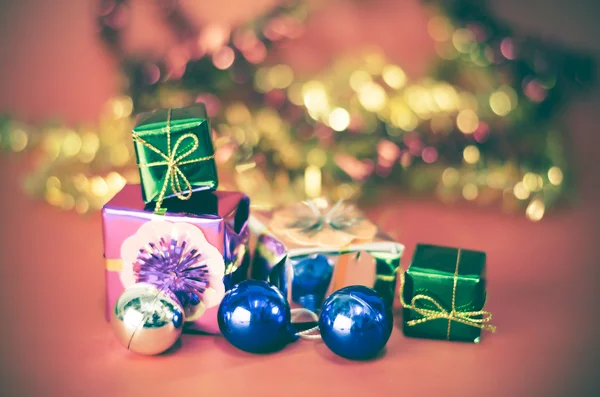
296	235
207	204
441	261
155	122
222	215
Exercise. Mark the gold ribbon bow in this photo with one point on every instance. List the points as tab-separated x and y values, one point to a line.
173	161
477	319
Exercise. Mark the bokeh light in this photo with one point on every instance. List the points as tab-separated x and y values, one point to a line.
388	152
445	96
339	119
470	191
535	210
533	182
71	144
223	58
393	76
18	140
520	191
358	79
555	175
315	97
471	154
404	118
462	40
213	37
507	48
467	121
500	103
261	80
280	76
294	94
372	96
429	154
450	177
99	186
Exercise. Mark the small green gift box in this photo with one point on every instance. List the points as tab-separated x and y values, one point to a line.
174	153
443	293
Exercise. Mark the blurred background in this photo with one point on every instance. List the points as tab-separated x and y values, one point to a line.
344	98
459	122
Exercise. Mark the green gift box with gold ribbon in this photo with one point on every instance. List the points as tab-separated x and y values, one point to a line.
175	153
443	294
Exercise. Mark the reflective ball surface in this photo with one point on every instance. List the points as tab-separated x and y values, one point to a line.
355	322
147	320
312	276
254	316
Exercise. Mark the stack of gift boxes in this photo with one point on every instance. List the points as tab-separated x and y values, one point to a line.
175	221
177	234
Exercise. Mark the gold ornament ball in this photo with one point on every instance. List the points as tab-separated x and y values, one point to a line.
147	320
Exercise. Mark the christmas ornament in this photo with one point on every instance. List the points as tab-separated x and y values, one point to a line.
312	278
255	317
147	319
355	323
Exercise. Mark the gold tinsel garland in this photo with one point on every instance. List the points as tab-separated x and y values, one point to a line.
82	168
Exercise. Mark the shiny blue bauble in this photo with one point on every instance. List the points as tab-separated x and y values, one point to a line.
312	276
254	316
356	323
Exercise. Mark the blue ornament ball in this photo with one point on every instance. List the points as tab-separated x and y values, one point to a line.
312	276
356	323
255	317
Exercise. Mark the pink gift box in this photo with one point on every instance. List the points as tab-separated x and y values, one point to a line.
221	217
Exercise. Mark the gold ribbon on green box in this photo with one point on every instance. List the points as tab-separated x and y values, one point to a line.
165	169
424	309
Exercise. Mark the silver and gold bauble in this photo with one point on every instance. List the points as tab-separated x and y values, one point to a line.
147	320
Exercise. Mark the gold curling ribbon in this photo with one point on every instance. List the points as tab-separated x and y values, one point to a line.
173	160
467	318
113	265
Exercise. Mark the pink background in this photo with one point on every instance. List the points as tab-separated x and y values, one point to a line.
542	276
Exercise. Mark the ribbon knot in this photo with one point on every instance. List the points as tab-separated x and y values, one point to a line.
473	318
173	159
317	223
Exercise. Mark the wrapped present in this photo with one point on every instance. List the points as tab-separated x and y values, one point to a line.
313	248
175	153
197	249
443	294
